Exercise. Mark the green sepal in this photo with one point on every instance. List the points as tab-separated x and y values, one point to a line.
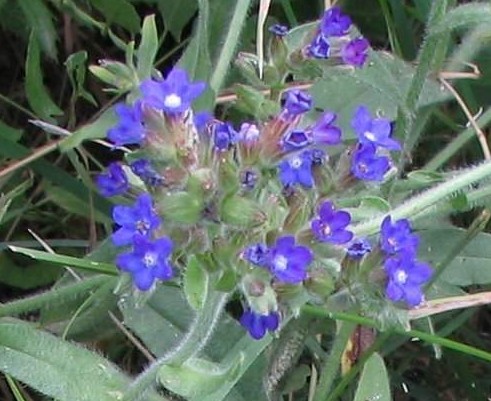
247	64
253	102
115	74
241	212
181	207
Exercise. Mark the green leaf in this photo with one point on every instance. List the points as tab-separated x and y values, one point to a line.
374	381
198	377
43	361
63	260
96	130
9	133
37	95
119	12
466	15
148	48
176	14
40	20
76	68
195	283
382	84
26	277
473	264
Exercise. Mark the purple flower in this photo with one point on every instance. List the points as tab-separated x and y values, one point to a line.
335	23
224	136
295	139
297	170
324	131
129	129
248	179
257	254
355	52
367	165
113	182
319	47
278	29
257	324
137	219
296	102
396	237
174	95
331	224
376	131
147	262
144	169
249	133
405	277
358	248
201	120
289	262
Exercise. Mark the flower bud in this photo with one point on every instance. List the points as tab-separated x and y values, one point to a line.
116	74
320	283
247	64
241	212
259	294
253	102
181	207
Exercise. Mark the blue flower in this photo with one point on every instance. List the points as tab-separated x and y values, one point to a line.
278	29
174	95
144	169
289	262
396	237
376	131
129	129
257	254
319	47
201	120
257	324
295	140
367	165
224	136
324	131
137	219
297	170
331	224
113	182
147	262
355	52
296	102
358	248
335	23
405	278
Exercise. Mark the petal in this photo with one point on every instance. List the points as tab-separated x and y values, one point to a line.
143	279
129	262
302	255
305	177
293	274
381	127
413	295
340	220
328	135
284	243
272	321
326	210
361	121
122	237
124	216
164	246
163	271
340	237
393	292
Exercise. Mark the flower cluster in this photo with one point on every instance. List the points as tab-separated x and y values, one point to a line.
333	41
405	274
370	160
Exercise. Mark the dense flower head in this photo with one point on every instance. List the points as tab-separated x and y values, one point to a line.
397	236
113	182
224	136
330	225
376	131
367	165
319	47
405	277
289	262
355	52
359	248
297	169
144	169
334	23
324	131
147	262
257	325
296	102
278	29
173	95
130	129
137	219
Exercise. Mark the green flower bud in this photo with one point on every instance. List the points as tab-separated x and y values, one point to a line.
117	74
241	212
180	207
320	283
247	64
258	292
253	102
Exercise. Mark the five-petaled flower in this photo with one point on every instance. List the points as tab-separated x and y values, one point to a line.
137	219
319	47
173	95
129	129
113	182
296	102
367	165
397	236
330	225
147	262
289	262
297	169
405	278
334	23
257	325
355	52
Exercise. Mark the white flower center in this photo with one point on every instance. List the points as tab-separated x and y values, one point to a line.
370	136
150	259
280	262
326	230
172	101
296	162
142	226
400	276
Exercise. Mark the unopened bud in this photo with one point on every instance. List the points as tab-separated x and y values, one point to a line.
181	207
241	212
